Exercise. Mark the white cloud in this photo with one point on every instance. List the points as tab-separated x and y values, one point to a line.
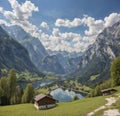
45	36
4	22
94	26
67	23
56	32
62	41
44	25
24	11
111	19
73	42
83	43
69	35
65	41
20	15
1	10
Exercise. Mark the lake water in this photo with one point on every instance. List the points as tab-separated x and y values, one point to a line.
64	95
58	94
36	84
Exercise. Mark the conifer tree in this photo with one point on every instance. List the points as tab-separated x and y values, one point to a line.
28	94
12	83
115	72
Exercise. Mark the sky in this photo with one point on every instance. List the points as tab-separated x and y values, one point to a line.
61	25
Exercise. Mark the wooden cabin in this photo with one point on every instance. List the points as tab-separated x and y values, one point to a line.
108	91
43	101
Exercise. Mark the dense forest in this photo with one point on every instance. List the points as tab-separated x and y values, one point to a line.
11	93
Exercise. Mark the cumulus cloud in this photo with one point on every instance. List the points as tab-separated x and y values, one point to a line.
21	12
70	35
73	42
57	40
4	22
94	26
44	25
20	15
1	10
61	41
56	32
111	19
67	23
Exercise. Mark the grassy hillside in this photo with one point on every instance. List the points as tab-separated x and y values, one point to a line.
76	108
113	106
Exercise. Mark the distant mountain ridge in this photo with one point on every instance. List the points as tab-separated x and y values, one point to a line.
97	59
66	54
46	61
13	54
57	64
33	45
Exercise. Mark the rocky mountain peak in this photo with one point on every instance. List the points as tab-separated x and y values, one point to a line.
98	58
13	54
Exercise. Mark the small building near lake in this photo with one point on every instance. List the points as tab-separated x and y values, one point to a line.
108	91
43	101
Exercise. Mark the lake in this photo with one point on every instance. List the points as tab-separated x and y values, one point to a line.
65	95
58	94
36	84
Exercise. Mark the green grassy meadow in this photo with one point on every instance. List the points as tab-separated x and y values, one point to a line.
75	108
114	105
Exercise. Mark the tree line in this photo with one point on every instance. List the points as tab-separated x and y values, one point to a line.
11	93
112	82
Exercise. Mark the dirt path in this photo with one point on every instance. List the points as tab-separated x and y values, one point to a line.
110	112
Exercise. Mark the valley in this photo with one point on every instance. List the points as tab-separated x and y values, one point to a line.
59	58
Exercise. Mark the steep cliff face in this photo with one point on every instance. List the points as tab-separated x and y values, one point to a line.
98	58
14	55
33	45
57	64
95	61
51	64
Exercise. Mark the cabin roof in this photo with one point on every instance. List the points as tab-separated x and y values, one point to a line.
109	89
41	96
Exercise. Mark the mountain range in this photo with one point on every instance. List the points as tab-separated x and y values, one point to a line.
34	47
46	61
94	62
14	55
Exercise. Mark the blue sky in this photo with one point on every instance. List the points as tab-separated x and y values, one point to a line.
67	25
